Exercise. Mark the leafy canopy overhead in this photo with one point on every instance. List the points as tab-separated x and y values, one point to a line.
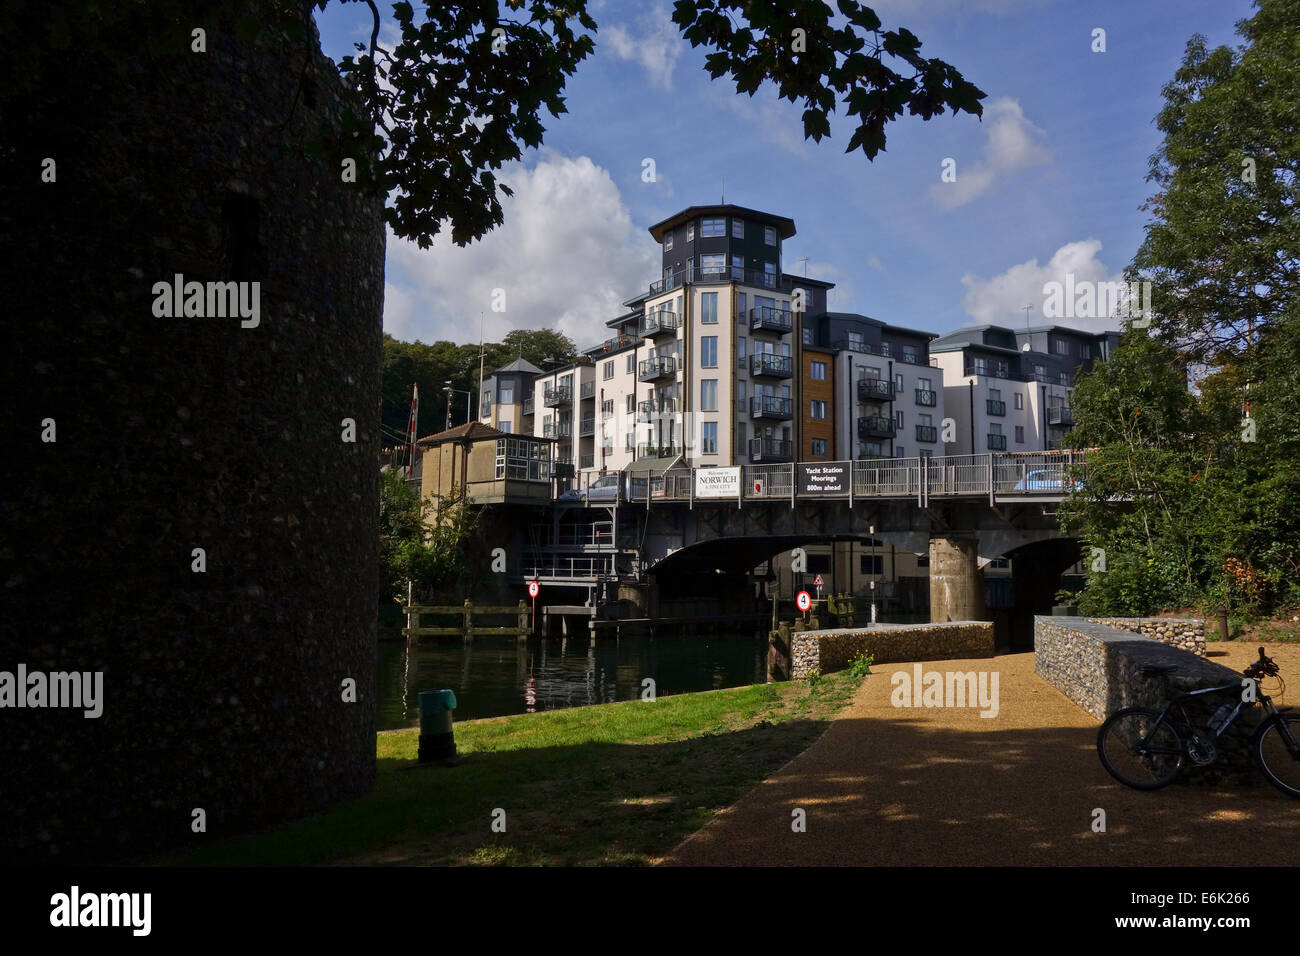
463	88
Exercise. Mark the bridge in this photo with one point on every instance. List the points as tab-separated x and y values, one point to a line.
702	530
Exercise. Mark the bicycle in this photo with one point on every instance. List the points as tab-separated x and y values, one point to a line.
1143	749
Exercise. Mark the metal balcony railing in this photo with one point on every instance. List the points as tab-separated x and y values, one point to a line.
927	433
770	450
771	365
771	407
655	368
926	397
588	426
649	411
997	442
875	390
876	426
657	322
555	397
995	406
561	429
1061	415
766	319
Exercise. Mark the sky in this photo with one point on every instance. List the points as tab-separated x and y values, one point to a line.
1049	181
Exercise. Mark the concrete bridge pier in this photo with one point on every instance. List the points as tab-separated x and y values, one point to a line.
956	581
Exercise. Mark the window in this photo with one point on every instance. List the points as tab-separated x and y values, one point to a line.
738	228
817	371
629	443
1039	371
1020	400
769	275
708	394
505	425
807	335
609	370
817	408
924	419
709	438
898	384
855	341
909	354
607	409
740	391
690	232
710	228
1060	347
740	347
487	399
980	367
924	384
900	451
995	428
1020	433
871	563
709	351
507	396
898	418
668	242
995	394
820	448
769	235
740	307
738	267
631	403
709	308
713	264
631	361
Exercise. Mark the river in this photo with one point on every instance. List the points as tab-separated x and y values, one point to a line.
493	677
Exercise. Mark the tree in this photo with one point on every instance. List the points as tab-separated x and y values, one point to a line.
421	542
1223	249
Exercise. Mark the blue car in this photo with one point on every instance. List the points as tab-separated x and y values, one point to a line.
1047	479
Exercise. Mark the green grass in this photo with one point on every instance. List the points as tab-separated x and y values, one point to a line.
611	784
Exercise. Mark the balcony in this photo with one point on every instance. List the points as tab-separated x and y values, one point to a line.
765	319
772	408
556	397
658	323
528	405
995	406
588	426
926	397
651	369
771	365
586	461
657	451
560	429
588	390
927	433
652	411
1061	415
768	450
988	369
876	426
997	442
875	390
857	344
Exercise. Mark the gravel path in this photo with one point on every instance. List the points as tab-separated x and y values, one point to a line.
887	786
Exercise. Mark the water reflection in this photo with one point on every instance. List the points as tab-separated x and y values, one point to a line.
497	676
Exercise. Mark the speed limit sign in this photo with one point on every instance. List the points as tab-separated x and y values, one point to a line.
532	589
803	600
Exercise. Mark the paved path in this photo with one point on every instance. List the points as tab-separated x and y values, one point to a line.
888	786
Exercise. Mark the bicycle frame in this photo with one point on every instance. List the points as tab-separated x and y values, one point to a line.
1265	701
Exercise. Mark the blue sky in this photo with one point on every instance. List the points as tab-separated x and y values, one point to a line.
1050	181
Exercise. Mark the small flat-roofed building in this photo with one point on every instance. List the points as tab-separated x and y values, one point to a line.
490	465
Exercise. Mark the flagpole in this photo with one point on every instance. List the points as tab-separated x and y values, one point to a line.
480	364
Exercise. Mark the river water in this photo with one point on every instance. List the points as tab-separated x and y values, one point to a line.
493	677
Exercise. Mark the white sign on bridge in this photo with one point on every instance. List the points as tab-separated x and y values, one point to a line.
717	482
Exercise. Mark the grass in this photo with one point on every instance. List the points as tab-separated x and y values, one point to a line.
613	784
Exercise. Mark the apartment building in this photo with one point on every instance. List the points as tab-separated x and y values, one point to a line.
507	400
1009	390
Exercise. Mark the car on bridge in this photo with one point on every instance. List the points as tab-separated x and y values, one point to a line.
605	488
1047	479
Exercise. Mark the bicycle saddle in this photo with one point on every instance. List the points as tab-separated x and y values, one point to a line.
1153	670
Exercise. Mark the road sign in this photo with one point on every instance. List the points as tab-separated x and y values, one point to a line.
817	581
758	486
532	589
803	601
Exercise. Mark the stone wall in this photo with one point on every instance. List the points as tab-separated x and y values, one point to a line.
223	686
831	650
1186	634
1099	667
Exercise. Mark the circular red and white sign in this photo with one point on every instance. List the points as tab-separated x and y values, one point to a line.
803	600
758	486
532	589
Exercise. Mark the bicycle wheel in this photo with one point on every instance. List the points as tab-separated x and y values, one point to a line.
1277	751
1138	751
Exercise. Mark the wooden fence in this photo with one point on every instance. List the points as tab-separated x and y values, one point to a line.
467	613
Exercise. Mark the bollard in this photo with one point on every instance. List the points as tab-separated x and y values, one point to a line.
437	741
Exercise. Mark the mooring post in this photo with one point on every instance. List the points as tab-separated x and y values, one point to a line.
469	620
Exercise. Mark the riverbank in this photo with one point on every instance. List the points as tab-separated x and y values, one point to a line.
615	783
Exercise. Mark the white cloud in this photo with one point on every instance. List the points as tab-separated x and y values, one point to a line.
875	263
1001	300
653	42
566	257
1012	143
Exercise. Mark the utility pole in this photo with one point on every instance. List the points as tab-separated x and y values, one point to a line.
480	361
